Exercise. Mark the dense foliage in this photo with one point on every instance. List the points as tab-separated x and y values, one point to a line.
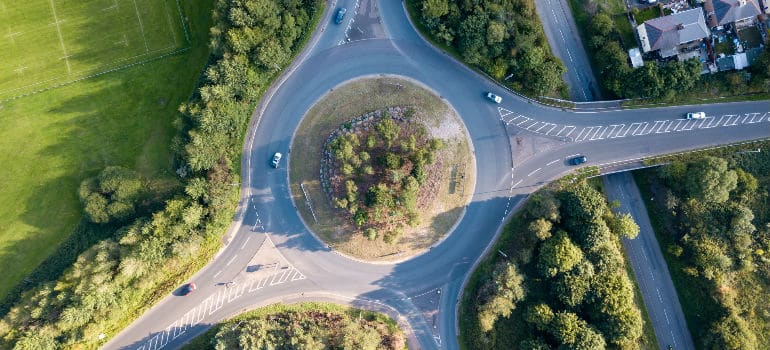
504	38
562	281
115	279
720	247
377	181
309	329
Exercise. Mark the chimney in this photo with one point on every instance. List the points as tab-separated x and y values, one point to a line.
679	26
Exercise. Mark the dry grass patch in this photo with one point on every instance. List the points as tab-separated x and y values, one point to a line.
453	169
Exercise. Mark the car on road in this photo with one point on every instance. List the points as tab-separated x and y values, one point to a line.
276	159
340	15
578	160
188	288
494	98
696	115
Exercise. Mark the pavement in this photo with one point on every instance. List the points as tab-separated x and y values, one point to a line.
565	42
650	268
423	291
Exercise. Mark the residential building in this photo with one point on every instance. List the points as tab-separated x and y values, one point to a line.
682	31
738	12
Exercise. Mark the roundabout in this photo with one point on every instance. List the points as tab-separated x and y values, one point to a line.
517	149
336	205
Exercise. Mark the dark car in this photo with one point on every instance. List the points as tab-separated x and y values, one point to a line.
188	288
578	160
340	15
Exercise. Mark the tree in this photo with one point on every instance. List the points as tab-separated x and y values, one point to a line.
709	180
558	255
623	225
111	195
710	257
500	295
388	130
540	228
731	332
539	315
433	9
571	288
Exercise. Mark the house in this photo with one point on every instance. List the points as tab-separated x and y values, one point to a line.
671	33
722	12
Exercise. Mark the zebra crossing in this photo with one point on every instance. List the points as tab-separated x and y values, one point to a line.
218	300
600	132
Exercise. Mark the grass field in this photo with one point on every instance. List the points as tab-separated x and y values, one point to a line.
46	43
52	140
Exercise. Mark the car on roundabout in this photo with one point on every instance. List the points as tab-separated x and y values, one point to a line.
276	159
696	115
188	288
578	160
494	98
340	15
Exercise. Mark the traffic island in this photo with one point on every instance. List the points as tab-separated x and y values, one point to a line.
385	169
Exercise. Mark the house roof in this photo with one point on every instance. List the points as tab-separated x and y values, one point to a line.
670	31
729	11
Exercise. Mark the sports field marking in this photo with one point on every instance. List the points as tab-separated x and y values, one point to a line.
12	35
170	25
113	7
61	37
20	70
141	27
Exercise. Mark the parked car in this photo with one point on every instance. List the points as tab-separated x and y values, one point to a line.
494	98
188	288
578	160
276	159
696	115
340	15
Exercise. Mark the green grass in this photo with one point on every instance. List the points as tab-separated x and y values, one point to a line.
54	139
647	14
50	42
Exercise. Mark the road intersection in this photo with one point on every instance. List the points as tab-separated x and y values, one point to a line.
423	291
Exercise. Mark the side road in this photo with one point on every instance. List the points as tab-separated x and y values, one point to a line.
649	266
564	39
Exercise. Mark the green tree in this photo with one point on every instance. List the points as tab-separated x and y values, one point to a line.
539	315
709	180
558	255
623	225
111	195
731	332
500	295
433	9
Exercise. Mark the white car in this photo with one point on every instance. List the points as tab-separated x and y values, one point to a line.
276	159
494	98
696	115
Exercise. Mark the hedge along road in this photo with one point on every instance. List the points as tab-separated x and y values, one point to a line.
273	257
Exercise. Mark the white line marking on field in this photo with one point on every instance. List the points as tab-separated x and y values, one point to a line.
141	27
534	171
12	36
61	37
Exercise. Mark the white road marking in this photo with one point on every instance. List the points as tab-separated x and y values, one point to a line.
534	171
217	274
231	260
247	241
553	161
517	183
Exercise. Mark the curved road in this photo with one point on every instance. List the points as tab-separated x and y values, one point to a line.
519	145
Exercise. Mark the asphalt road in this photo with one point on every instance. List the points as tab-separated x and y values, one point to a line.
650	268
565	42
273	257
